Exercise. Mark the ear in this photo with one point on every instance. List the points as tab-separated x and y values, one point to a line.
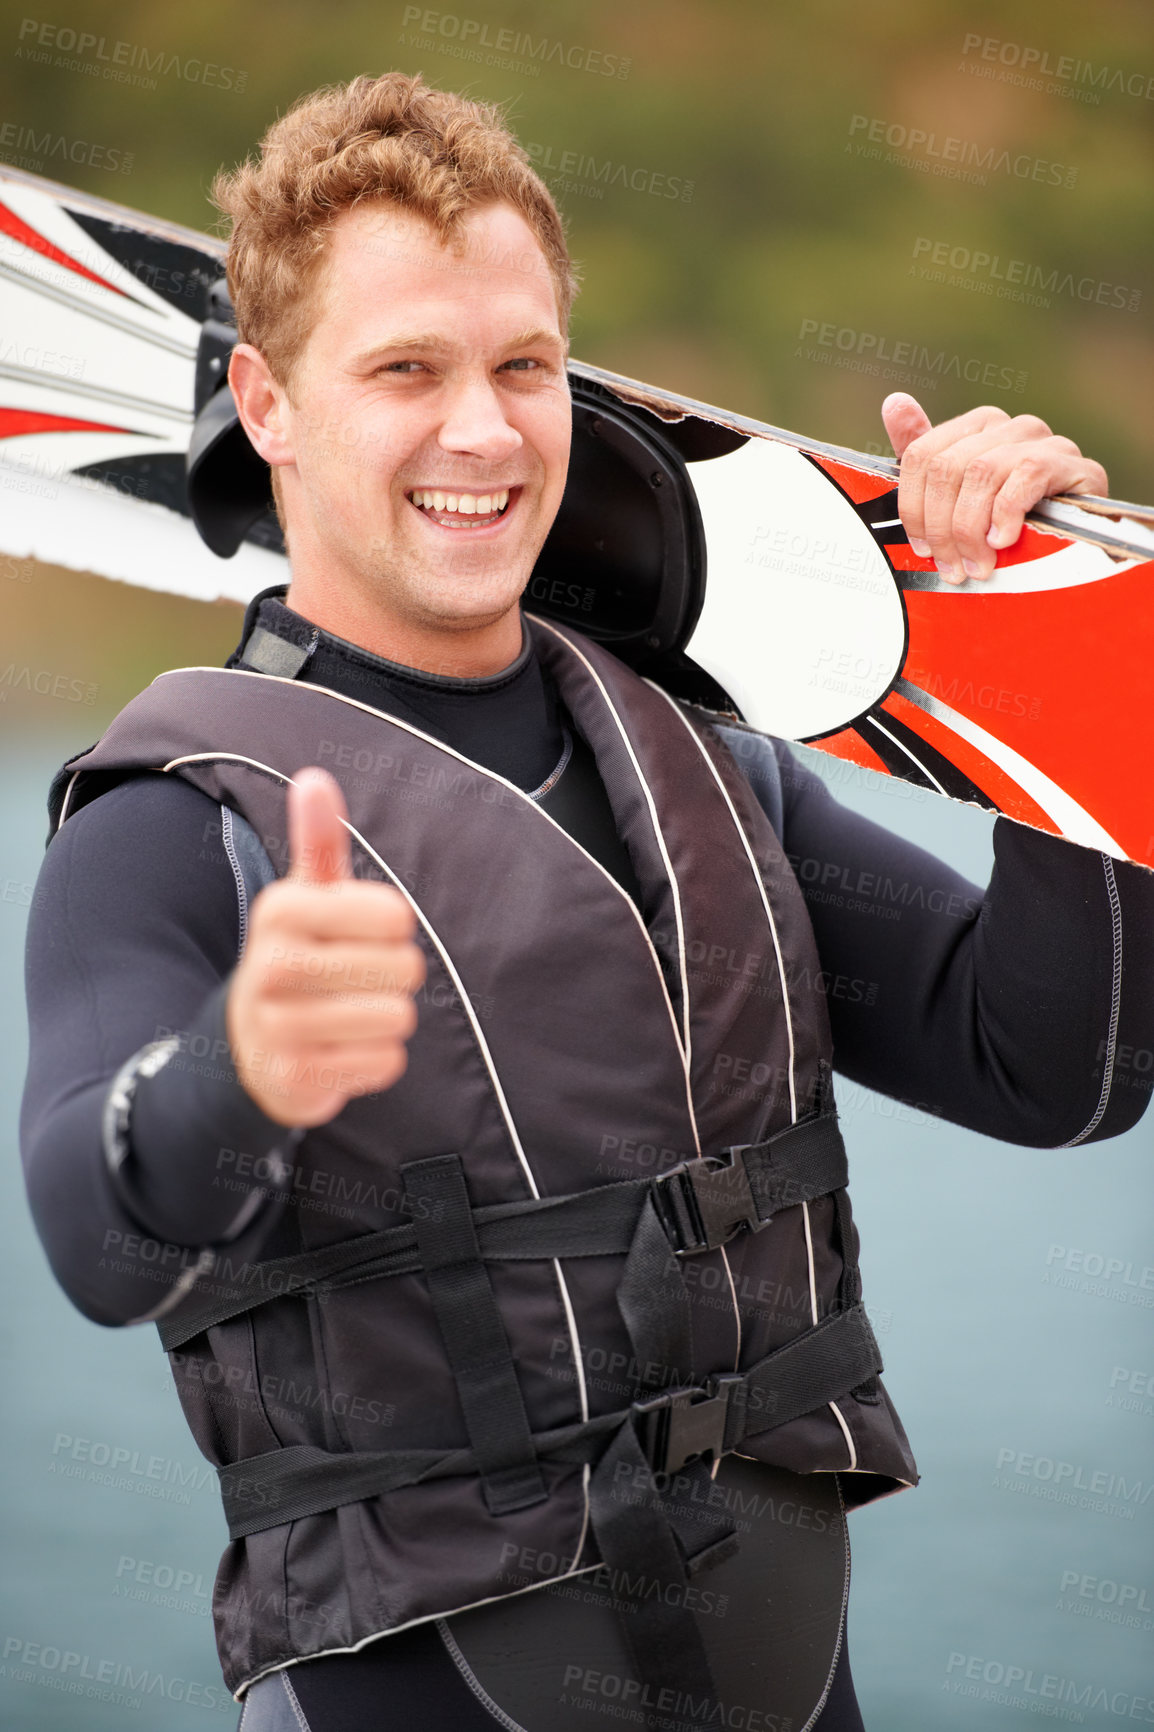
262	405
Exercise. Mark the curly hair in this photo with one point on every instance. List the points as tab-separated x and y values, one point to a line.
393	137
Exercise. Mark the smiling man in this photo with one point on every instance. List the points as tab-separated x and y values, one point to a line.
423	879
445	371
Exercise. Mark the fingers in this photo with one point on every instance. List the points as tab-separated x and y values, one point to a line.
364	911
319	843
905	420
966	486
1062	469
344	1021
343	968
321	1004
918	460
339	1074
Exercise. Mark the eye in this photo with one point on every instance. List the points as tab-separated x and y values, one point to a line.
522	363
400	366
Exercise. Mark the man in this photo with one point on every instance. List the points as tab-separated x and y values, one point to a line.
370	1225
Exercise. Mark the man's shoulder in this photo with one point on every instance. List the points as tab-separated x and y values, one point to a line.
141	808
756	756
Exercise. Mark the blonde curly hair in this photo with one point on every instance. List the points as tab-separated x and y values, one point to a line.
393	137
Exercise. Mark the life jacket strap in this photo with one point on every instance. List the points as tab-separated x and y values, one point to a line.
671	1431
701	1204
473	1334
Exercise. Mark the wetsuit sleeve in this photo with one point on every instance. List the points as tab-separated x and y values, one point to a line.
134	1179
1022	1011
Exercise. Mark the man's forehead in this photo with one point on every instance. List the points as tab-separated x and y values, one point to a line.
493	242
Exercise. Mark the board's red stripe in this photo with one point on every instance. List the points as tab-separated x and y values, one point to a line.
1000	787
1062	676
850	746
858	483
19	230
14	422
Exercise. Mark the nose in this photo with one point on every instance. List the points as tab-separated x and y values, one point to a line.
475	423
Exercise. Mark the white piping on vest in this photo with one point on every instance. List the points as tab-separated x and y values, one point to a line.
736	1318
813	1315
483	1047
354	703
67	797
668	864
837	1413
413	1623
467	1007
757	878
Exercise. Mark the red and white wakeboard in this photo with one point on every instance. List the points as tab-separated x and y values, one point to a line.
1028	695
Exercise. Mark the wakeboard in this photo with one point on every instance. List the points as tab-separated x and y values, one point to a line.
743	568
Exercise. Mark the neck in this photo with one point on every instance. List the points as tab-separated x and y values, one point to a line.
466	651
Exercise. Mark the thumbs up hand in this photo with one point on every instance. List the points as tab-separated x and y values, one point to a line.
321	1003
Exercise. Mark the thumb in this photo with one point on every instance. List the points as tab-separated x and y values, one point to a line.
905	420
319	846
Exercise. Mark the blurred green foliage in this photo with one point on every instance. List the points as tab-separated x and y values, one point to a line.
716	195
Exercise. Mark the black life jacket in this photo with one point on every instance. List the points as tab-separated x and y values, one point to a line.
598	1231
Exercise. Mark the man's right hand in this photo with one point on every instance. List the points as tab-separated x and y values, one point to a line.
321	1003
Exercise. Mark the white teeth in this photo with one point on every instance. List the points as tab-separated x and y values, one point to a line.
461	504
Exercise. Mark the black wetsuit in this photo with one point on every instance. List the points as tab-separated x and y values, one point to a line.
1000	1012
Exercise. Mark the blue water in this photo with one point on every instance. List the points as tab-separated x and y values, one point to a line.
957	1585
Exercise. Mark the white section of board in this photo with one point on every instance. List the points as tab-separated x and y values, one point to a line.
84	526
802	622
136	302
1065	568
98	372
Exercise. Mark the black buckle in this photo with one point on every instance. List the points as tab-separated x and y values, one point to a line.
703	1203
685	1424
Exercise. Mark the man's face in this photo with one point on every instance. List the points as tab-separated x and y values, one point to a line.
429	419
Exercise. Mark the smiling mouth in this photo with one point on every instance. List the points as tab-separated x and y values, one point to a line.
460	510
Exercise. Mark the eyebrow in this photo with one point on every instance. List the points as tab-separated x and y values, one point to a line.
430	343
